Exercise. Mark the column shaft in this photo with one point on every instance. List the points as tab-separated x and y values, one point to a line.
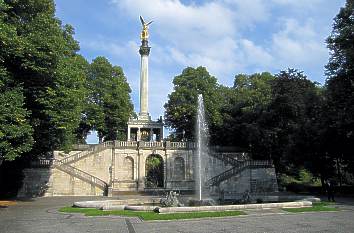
144	85
151	134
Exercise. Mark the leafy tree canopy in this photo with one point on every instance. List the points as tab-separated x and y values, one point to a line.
39	62
181	106
340	85
109	105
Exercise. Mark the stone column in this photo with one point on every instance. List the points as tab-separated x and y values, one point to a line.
151	134
161	134
144	75
138	135
128	139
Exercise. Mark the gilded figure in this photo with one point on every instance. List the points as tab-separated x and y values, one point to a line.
144	33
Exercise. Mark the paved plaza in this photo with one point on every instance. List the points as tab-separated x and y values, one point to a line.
40	215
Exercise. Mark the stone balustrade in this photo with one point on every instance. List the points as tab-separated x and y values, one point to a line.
154	144
41	163
125	144
163	145
180	145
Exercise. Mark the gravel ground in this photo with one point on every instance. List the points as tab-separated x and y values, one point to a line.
40	215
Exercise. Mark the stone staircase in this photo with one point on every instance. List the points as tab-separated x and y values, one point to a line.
64	165
237	166
97	182
68	159
232	159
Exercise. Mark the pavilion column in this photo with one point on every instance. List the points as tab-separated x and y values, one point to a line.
161	134
128	139
151	134
138	133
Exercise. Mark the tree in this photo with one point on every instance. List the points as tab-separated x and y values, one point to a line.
181	107
246	102
110	105
65	103
15	130
292	110
39	55
340	86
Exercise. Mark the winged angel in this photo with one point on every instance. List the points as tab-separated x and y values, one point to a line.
144	33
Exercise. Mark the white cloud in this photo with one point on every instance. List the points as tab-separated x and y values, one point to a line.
213	34
111	47
249	12
299	45
197	35
173	18
256	55
298	3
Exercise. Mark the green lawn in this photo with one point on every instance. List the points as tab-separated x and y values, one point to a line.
321	206
149	215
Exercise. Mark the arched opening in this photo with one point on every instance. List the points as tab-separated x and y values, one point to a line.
128	166
179	169
154	171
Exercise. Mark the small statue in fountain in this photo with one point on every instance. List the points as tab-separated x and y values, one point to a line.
171	200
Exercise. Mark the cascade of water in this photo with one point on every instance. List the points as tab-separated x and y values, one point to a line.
202	148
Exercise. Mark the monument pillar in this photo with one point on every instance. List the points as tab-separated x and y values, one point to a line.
144	76
143	122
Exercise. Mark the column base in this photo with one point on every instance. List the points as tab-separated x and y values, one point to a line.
144	117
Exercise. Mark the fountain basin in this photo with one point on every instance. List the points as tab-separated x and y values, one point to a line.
117	204
141	208
295	204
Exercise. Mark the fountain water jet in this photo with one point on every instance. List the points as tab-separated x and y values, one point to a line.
202	149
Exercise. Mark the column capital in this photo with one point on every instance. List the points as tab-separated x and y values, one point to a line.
144	50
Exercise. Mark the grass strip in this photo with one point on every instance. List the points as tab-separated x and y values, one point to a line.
150	215
320	206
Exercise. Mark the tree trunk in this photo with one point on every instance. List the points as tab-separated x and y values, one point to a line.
322	183
339	173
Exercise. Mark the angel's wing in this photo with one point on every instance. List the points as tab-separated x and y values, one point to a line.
142	21
149	23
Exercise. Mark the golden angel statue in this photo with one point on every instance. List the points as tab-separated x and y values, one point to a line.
144	33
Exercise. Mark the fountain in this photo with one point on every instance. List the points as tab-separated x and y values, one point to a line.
202	150
202	201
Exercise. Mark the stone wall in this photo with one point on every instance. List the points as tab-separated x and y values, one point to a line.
123	169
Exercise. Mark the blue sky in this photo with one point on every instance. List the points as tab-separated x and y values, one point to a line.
228	37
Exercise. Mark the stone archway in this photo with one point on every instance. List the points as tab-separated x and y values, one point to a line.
154	171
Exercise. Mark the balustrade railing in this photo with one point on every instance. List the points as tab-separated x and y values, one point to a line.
225	158
87	152
151	144
81	146
238	169
165	144
125	144
41	163
180	145
81	174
